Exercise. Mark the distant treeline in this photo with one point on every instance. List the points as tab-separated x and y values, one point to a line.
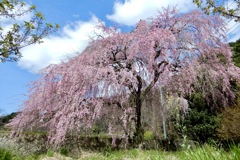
4	119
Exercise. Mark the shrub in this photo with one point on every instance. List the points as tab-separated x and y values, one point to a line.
201	123
64	151
148	135
229	127
50	153
5	155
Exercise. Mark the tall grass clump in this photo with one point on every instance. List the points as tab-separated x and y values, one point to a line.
5	155
205	152
130	154
234	152
208	152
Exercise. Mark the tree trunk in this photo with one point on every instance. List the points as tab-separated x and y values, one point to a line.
138	136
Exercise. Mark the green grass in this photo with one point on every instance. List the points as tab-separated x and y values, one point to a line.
205	152
124	154
10	155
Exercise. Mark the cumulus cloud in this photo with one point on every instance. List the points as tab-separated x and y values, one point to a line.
73	38
131	11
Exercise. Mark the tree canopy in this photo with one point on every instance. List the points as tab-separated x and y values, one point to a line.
18	34
115	73
5	119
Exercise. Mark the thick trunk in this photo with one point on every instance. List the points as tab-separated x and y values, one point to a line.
139	130
138	136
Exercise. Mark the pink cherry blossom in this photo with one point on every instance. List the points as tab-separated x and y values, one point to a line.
115	73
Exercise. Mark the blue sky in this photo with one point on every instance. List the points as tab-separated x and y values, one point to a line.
77	19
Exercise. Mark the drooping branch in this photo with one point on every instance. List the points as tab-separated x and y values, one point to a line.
125	67
157	73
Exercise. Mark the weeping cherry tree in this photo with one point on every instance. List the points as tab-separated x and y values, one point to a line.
115	73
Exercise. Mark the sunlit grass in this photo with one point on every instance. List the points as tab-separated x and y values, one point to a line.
127	155
205	152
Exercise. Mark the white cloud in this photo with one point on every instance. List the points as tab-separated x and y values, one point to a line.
75	36
72	38
131	11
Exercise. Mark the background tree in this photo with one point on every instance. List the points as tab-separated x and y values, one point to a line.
236	52
5	119
21	34
213	6
114	74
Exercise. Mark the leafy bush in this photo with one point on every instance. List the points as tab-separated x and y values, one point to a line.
50	153
229	127
64	151
10	155
5	155
201	123
148	135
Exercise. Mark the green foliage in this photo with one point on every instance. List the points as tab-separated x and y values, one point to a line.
21	34
50	153
229	127
100	126
5	155
200	124
64	151
6	119
236	52
10	155
213	7
148	135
